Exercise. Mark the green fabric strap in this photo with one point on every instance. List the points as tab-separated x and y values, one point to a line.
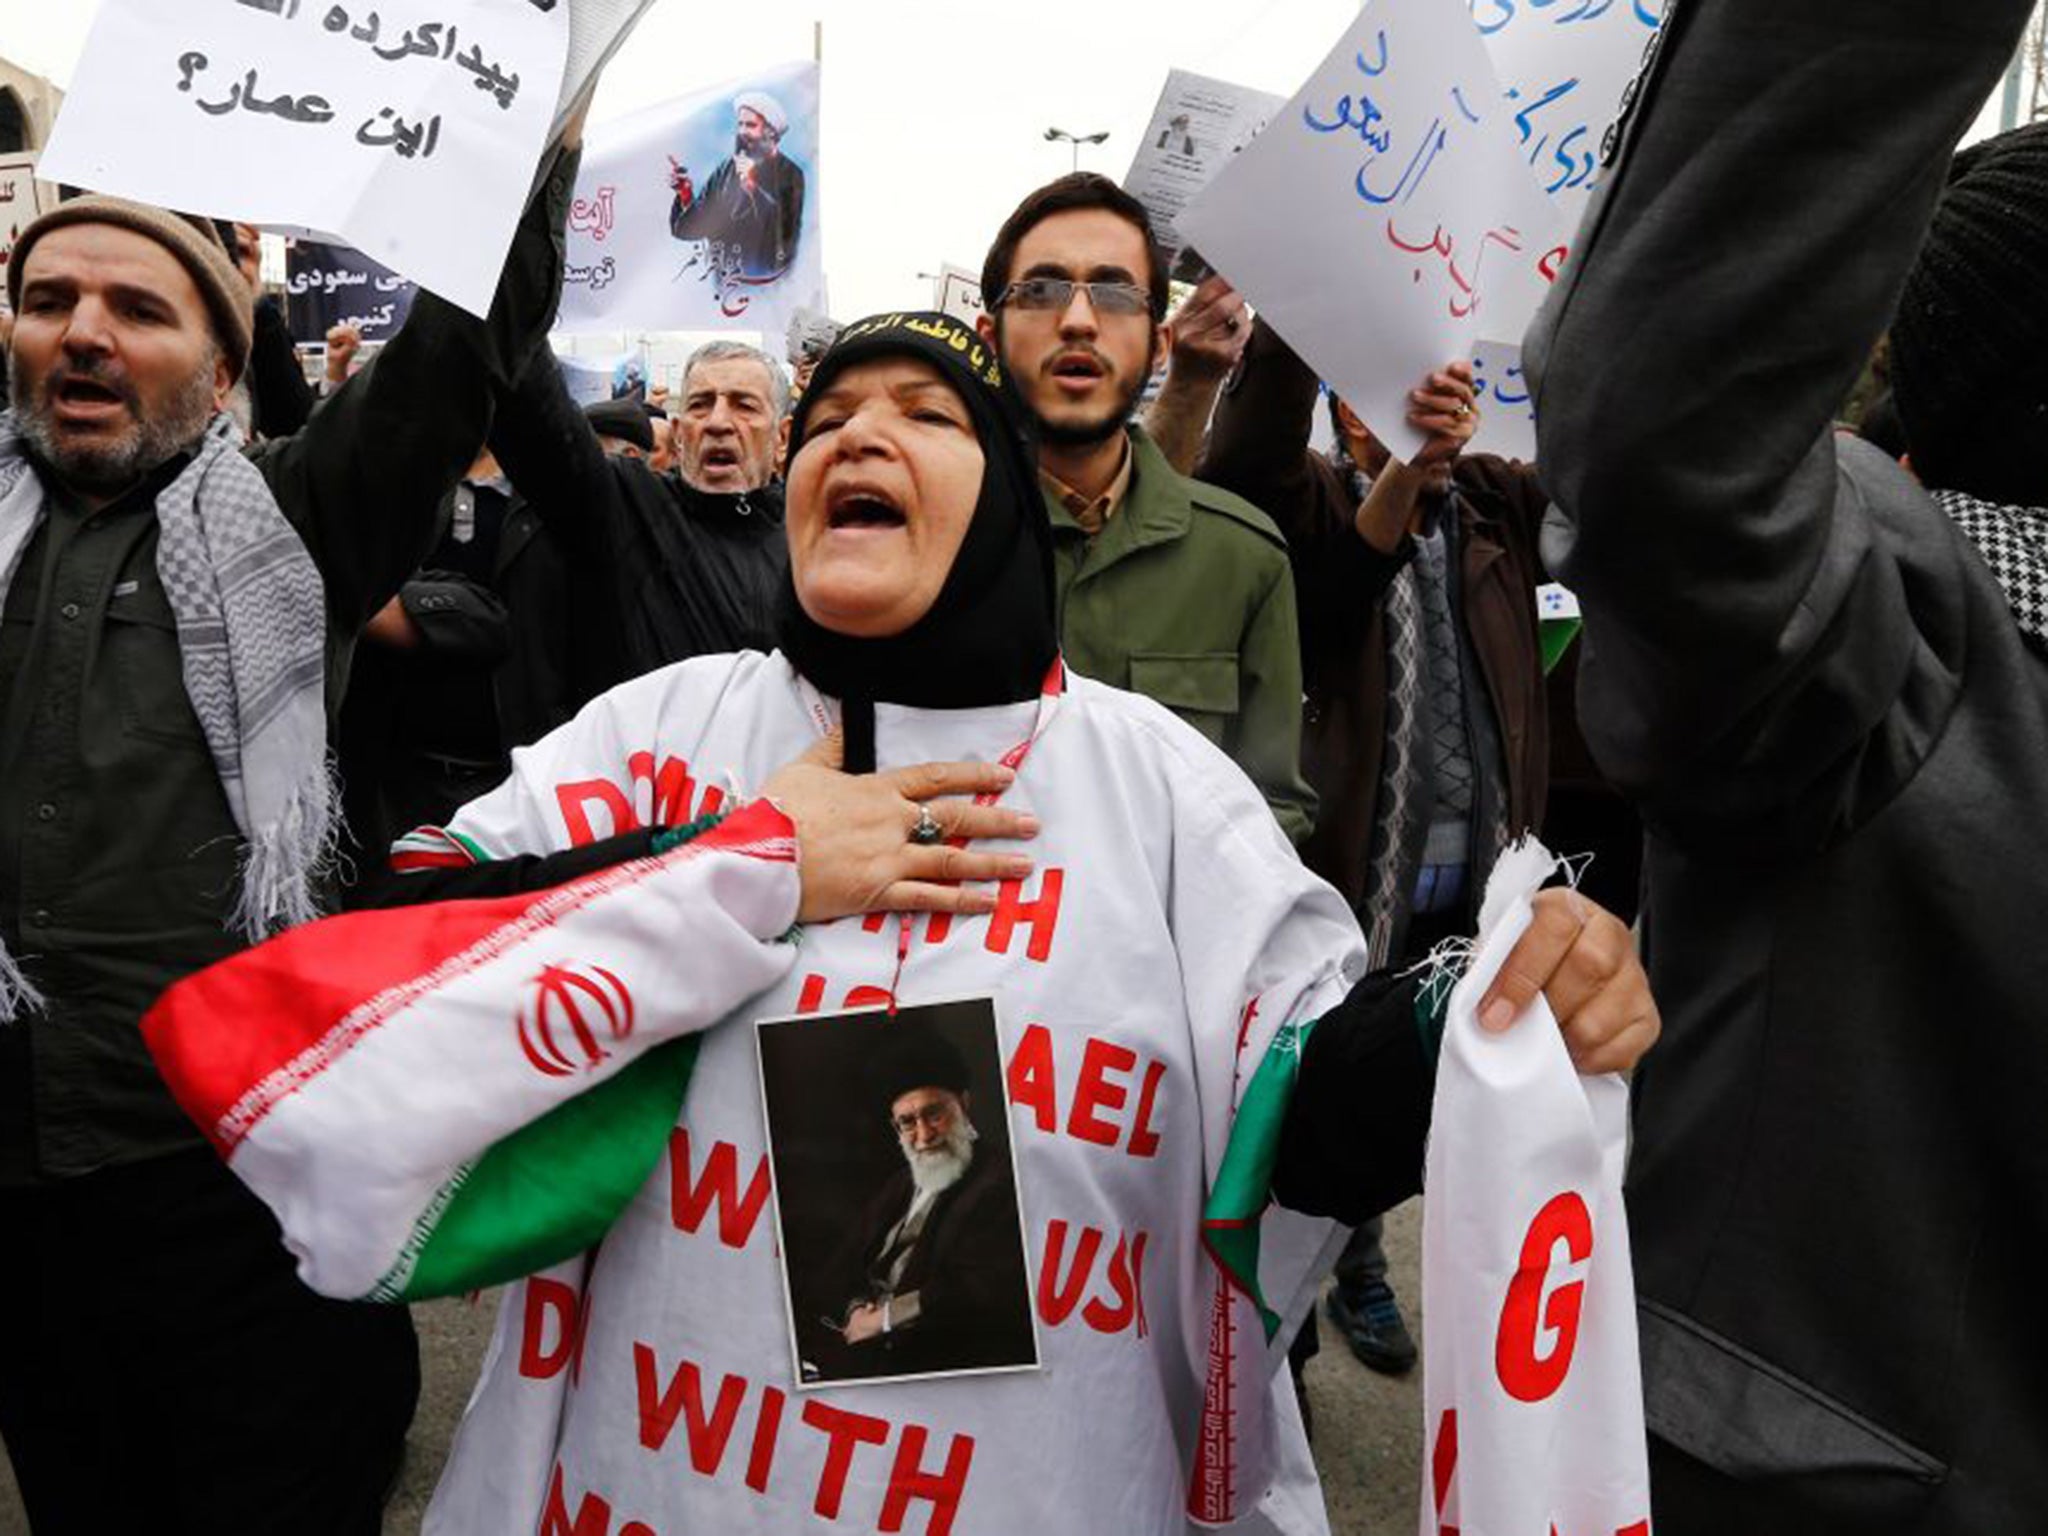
668	839
1244	1182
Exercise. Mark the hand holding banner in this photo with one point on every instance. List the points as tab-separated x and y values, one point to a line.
410	127
1385	212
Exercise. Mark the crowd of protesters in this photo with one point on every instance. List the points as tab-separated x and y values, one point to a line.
255	632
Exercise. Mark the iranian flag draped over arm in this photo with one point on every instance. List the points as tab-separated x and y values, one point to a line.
439	1097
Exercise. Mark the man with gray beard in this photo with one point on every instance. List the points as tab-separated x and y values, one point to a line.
935	1281
177	614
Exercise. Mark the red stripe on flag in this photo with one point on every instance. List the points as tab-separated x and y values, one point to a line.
232	1039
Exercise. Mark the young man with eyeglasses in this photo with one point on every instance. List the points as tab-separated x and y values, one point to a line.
1168	587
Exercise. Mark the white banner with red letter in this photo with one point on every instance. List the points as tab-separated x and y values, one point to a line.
1532	1389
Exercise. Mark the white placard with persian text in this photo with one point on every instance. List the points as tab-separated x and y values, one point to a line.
20	202
1386	212
410	128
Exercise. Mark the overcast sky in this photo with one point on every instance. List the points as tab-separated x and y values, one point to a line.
935	110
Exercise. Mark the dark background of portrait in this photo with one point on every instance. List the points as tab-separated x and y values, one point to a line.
829	1134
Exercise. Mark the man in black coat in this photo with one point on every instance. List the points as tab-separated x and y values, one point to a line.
934	1280
662	567
1821	676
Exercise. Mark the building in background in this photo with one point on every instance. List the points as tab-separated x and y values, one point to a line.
28	109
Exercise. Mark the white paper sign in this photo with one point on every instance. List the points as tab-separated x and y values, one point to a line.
410	128
957	292
1563	65
20	202
677	227
1386	212
1198	124
1507	416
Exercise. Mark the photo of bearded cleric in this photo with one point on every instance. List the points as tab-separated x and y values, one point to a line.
753	202
896	1194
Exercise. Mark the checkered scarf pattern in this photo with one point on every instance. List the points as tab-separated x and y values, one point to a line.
251	615
1398	811
2014	543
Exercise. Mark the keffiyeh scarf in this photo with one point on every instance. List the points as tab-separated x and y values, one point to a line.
251	615
2014	543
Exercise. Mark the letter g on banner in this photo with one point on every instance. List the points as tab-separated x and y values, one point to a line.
1528	1376
556	1019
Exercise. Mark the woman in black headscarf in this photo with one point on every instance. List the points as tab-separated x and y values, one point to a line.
1161	982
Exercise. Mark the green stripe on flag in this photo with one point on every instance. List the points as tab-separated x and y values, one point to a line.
550	1190
469	845
1555	637
1244	1184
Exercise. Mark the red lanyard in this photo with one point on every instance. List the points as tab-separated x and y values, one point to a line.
1050	693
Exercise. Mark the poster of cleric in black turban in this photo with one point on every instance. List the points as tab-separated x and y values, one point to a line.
700	213
902	1241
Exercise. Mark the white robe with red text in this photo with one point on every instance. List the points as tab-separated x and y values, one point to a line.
648	1391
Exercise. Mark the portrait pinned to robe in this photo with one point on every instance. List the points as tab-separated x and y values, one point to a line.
896	1204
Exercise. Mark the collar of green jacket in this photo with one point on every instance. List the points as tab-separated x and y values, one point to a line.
1158	507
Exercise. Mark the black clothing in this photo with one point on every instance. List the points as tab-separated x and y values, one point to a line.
761	228
991	632
555	665
1352	1143
1813	686
658	571
167	1372
419	730
117	846
280	399
966	1269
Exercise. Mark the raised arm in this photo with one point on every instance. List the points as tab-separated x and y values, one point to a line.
362	479
1764	645
551	455
1259	448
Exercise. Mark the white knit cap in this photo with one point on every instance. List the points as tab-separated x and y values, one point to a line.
770	110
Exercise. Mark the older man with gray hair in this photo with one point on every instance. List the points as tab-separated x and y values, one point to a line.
662	567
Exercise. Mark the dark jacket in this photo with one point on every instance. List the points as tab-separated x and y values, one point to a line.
1258	447
1185	597
420	730
280	399
659	571
117	847
1814	689
966	1271
761	228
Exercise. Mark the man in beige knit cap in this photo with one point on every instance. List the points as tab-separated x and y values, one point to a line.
178	617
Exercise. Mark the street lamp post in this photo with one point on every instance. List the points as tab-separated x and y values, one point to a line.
1060	135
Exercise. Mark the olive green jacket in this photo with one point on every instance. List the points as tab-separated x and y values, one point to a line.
1186	597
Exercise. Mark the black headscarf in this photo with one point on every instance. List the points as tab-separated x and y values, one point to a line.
990	634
